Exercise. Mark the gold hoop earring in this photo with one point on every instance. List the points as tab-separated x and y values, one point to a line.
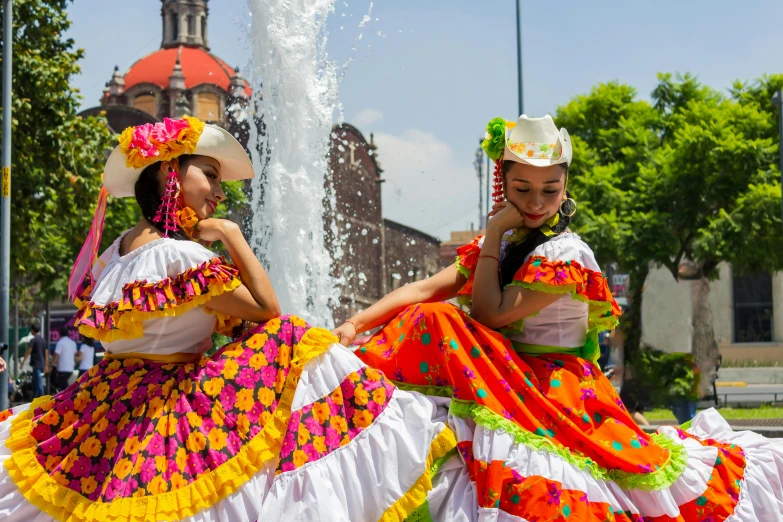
568	207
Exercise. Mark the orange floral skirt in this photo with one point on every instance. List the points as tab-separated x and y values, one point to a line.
555	407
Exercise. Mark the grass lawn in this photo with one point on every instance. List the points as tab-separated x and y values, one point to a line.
764	412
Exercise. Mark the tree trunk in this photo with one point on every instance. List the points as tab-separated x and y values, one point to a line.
703	345
632	316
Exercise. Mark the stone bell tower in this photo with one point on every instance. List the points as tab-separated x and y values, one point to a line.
184	23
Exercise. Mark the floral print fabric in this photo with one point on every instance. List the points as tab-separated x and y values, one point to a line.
536	498
142	300
562	398
562	403
131	427
336	419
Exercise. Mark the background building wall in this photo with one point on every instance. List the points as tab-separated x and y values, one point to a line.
666	317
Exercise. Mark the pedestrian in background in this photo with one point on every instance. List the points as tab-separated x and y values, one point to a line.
86	355
39	358
64	360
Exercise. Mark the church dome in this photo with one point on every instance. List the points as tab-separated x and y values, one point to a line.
199	66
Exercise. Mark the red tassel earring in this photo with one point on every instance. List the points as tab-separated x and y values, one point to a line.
497	182
169	204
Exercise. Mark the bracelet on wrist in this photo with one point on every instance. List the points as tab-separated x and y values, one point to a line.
355	329
490	257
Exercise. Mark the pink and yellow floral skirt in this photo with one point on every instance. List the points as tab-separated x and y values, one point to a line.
275	417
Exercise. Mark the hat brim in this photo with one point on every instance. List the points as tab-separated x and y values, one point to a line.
214	142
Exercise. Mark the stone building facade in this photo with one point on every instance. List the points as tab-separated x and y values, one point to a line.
379	255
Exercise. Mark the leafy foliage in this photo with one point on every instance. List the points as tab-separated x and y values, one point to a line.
691	176
666	376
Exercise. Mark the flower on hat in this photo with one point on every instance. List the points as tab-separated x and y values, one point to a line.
168	130
135	143
495	139
146	144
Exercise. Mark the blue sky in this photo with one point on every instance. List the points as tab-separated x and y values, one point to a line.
427	76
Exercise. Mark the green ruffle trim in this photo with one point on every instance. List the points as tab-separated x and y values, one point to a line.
461	269
420	514
599	314
661	478
436	391
439	462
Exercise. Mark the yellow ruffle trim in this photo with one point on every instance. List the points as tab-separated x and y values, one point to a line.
129	323
417	494
61	503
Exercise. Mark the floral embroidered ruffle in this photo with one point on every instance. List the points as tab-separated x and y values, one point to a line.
563	277
171	296
551	276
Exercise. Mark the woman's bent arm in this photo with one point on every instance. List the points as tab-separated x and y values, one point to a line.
255	300
442	286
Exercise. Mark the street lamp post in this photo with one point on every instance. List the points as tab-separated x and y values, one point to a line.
777	99
519	62
477	163
5	199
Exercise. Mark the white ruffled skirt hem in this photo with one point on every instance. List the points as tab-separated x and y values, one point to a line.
760	499
359	481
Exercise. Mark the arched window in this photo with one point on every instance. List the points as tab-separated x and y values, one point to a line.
146	103
174	28
191	26
207	106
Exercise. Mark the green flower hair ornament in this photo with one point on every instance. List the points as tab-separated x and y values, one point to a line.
495	140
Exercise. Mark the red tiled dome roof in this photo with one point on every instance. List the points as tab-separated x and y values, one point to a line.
198	66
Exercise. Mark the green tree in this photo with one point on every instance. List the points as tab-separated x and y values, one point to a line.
613	134
690	179
714	183
57	156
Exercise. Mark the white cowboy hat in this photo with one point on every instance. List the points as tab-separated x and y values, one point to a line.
215	142
538	142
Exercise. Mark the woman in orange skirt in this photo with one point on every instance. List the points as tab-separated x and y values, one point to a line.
542	434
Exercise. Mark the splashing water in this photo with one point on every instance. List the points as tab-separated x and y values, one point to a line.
289	145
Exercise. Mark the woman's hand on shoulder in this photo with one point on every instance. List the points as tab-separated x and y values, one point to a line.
346	332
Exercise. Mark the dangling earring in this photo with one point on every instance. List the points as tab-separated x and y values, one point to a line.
568	207
497	183
169	203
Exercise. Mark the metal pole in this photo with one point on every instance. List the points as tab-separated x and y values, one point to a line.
5	200
477	163
519	61
16	336
486	194
779	96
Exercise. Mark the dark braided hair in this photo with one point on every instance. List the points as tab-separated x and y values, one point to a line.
515	254
149	193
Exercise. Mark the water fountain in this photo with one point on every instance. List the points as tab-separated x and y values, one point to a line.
289	146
